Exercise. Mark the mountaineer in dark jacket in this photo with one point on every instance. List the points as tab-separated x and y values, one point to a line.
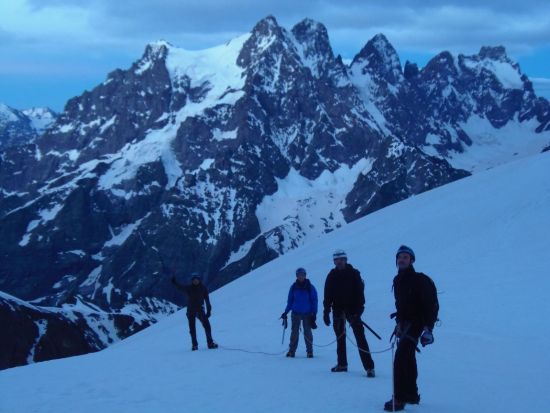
344	293
197	294
302	300
417	308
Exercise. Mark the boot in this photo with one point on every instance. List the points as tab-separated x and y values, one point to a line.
339	369
195	347
370	373
412	399
390	406
212	345
290	354
309	354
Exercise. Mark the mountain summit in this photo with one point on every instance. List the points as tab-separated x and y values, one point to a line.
220	160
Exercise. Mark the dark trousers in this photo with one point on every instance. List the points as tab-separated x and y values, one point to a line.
191	316
404	366
359	333
305	320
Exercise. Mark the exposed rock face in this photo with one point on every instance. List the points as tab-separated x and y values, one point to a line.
218	161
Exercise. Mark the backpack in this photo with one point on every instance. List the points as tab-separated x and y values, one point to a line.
434	302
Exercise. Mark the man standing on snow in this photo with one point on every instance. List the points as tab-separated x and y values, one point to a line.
302	300
417	308
197	294
344	293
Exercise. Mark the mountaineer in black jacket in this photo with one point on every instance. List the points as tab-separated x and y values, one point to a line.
417	308
344	293
197	294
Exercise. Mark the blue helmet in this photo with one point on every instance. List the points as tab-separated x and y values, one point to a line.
408	250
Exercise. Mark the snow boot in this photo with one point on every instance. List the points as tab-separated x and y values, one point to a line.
370	373
309	355
339	369
194	348
414	399
290	354
390	406
212	345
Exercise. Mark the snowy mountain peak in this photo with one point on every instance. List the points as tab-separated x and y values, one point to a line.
265	34
41	118
16	127
267	27
314	36
310	25
154	52
218	160
7	114
494	52
379	57
493	62
442	63
313	45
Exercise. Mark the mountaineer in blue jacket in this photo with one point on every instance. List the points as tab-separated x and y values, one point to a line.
302	300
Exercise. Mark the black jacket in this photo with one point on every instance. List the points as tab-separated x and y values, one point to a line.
344	291
415	298
197	296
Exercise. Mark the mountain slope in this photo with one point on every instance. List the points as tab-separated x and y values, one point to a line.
483	241
222	159
165	168
33	333
15	127
21	127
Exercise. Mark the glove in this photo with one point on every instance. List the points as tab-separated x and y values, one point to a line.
285	319
427	337
313	321
397	331
326	318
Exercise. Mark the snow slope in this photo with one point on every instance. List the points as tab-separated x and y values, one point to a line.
483	239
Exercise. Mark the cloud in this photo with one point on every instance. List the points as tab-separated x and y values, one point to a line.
72	36
428	26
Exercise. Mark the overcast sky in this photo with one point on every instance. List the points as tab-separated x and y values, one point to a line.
51	50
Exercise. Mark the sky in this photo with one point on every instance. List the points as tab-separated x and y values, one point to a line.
52	50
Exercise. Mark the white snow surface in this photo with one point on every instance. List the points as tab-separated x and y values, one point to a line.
42	326
483	239
307	208
492	147
7	114
507	75
41	118
217	72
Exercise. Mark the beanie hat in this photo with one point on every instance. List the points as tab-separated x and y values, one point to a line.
408	250
339	254
195	275
300	271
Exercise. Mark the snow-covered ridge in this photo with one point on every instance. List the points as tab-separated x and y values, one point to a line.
7	114
490	255
216	71
508	75
41	118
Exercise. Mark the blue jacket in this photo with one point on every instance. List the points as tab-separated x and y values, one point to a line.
302	299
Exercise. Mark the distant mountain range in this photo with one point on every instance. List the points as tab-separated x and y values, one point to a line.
21	127
222	159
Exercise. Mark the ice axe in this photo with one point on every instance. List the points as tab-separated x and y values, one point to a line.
285	325
371	330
